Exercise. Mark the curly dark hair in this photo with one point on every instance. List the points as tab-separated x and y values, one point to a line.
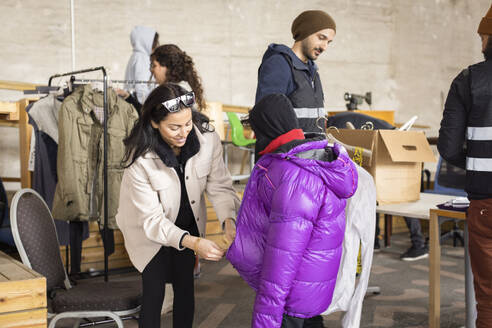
180	67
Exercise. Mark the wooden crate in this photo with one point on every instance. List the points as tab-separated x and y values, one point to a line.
22	295
93	251
9	111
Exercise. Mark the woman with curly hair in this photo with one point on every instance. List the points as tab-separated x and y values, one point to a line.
170	64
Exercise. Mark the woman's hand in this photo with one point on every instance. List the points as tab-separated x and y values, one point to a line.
208	250
122	93
205	248
230	230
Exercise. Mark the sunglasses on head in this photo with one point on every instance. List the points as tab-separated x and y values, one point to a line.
173	105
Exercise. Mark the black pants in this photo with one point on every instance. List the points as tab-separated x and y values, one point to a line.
293	322
314	322
176	267
418	240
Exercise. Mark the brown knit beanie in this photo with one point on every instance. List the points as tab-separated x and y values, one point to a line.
485	26
309	22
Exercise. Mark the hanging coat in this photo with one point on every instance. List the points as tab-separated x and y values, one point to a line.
290	229
359	231
79	191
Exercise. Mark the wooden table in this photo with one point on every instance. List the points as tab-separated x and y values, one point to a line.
425	208
418	210
435	268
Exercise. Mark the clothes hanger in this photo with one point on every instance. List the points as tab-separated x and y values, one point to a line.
330	144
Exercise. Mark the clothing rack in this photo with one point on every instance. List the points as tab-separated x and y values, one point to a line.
105	153
117	81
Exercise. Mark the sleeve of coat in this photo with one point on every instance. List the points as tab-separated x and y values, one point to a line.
219	185
451	142
291	224
64	161
141	202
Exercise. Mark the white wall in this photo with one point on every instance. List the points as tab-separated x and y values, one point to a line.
405	51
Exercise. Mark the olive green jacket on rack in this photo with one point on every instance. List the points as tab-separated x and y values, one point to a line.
79	191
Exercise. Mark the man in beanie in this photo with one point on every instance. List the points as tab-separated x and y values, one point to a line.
292	71
465	140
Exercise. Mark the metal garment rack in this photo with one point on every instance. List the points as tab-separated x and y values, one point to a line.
117	81
105	153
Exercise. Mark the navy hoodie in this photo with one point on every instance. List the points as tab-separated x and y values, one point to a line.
275	74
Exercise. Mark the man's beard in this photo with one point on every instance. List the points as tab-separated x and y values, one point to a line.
487	52
306	50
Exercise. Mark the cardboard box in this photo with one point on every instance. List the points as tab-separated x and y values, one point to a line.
395	162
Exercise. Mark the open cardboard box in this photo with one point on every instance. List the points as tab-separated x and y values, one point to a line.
396	161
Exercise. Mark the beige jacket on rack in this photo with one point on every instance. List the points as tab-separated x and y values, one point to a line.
150	198
79	191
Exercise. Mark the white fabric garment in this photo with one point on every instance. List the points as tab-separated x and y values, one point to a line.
359	230
45	113
32	153
138	67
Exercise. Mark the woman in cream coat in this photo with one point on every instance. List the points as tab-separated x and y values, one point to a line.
174	158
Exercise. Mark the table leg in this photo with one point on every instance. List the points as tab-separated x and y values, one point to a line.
434	272
471	308
388	229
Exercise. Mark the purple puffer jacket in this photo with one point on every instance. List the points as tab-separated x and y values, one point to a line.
290	229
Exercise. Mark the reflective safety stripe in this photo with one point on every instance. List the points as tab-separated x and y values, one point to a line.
479	133
310	112
479	164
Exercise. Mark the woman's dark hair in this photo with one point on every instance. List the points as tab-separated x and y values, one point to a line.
180	67
143	137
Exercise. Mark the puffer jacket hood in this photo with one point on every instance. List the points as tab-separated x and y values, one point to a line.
290	230
335	174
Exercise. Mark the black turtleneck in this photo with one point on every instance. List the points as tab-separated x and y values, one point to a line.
185	219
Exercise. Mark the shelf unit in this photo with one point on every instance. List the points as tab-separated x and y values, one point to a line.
13	114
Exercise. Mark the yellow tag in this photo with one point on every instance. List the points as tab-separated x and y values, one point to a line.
359	263
357	156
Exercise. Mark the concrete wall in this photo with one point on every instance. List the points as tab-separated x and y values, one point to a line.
405	51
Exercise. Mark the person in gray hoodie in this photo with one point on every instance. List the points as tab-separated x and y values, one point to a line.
144	40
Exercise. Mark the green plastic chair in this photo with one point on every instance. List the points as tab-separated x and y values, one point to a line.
239	140
237	132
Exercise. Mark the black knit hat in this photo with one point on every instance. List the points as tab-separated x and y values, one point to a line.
271	117
309	22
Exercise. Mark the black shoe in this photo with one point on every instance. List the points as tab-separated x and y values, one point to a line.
377	246
414	254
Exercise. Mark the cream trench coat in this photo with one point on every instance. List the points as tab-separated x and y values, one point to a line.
150	199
